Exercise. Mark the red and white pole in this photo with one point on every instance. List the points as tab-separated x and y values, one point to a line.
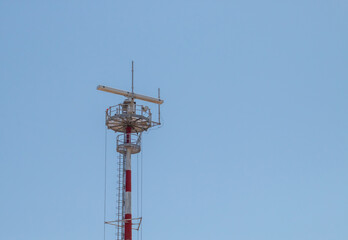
128	190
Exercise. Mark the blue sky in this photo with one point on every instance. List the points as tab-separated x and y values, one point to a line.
254	141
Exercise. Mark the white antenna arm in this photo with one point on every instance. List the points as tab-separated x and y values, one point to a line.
129	94
159	107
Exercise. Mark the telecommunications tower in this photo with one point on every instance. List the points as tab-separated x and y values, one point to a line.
130	120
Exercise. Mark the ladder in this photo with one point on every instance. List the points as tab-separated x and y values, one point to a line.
120	197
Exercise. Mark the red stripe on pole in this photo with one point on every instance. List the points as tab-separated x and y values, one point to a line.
128	227
128	181
128	131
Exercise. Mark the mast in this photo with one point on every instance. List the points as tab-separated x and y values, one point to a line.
130	120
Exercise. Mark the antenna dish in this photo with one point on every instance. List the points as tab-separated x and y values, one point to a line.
129	94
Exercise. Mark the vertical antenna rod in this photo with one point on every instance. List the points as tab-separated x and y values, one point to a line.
159	107
132	76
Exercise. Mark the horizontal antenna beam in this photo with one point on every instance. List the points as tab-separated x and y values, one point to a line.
129	94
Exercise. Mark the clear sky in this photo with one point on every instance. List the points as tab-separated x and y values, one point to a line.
255	135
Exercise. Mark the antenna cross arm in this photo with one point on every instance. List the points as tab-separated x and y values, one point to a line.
129	94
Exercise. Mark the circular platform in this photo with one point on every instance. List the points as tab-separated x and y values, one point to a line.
134	148
128	141
121	116
119	122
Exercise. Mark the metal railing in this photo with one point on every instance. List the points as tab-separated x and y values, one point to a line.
126	109
128	138
128	141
